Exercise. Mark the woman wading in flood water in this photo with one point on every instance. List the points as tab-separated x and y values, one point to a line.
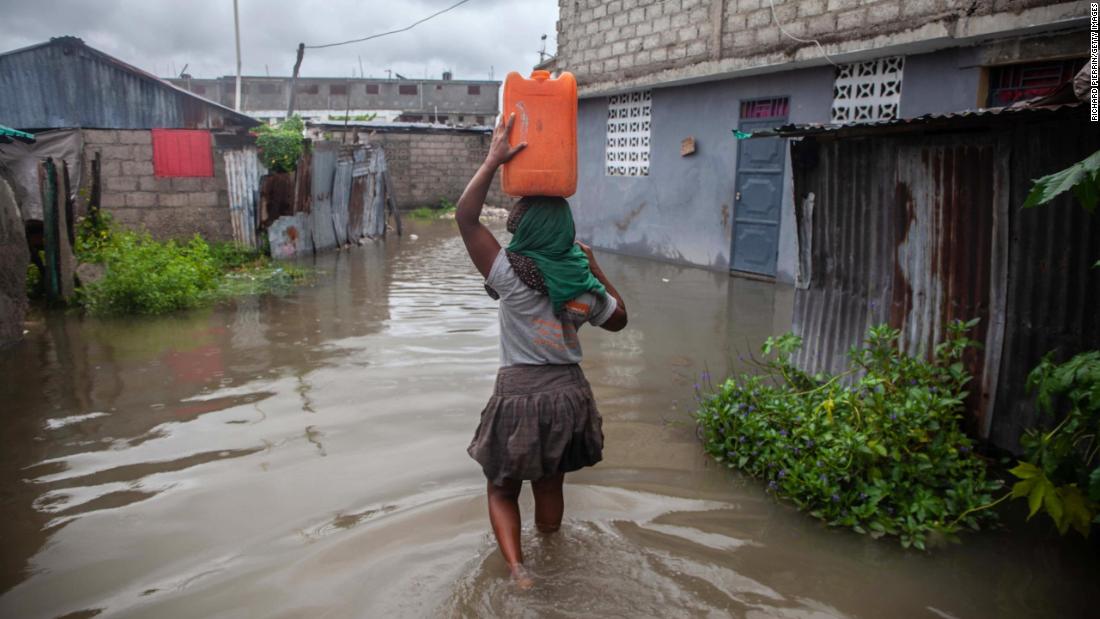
541	421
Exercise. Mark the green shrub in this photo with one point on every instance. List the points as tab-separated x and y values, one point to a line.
144	276
883	455
230	256
281	145
1060	473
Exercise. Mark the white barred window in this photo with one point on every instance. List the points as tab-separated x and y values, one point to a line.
628	134
868	91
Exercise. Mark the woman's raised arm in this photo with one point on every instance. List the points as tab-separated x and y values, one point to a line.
480	242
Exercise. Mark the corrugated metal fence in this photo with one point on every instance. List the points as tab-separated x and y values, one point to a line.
346	201
916	230
243	171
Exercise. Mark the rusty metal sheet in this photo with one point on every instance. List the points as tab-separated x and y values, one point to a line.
374	203
243	171
290	236
323	172
918	230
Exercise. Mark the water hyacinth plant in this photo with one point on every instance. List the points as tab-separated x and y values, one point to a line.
881	453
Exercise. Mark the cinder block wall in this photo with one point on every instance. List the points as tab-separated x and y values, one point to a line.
429	166
166	207
602	41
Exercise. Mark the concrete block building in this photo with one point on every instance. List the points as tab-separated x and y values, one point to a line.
666	87
444	101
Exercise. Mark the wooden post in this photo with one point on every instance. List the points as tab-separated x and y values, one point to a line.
294	80
47	182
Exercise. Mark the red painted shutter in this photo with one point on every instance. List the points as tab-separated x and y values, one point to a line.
182	152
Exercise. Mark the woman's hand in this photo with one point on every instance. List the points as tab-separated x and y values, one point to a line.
500	151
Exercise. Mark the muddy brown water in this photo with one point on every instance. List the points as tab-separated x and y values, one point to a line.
304	456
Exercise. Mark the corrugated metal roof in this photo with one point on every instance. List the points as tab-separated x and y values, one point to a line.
65	83
917	123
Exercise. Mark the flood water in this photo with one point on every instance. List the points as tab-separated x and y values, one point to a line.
304	456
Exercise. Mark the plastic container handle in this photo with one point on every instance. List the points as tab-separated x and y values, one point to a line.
540	75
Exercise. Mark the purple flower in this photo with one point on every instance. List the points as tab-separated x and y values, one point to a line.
964	449
893	416
836	498
752	407
863	496
705	376
744	438
810	445
772	485
782	473
697	386
797	451
782	433
823	477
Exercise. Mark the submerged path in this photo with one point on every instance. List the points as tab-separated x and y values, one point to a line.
305	456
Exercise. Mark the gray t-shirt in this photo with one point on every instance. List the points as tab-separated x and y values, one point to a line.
530	333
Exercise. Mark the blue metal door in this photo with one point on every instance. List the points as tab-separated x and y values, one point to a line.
758	199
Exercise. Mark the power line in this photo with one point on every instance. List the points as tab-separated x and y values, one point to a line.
375	36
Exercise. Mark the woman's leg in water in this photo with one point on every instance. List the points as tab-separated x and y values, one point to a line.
504	517
549	503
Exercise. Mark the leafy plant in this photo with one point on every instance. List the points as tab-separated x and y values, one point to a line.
145	276
1083	178
445	208
1060	474
883	455
281	145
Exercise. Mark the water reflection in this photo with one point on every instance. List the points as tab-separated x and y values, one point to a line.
304	456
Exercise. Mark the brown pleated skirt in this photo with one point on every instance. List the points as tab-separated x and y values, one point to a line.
541	420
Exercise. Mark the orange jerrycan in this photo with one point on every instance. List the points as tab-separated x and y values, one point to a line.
546	118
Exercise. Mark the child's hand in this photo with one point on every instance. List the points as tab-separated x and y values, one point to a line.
500	151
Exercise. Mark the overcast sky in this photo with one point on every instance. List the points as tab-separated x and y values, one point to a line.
162	36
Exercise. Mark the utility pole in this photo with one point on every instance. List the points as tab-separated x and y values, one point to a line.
294	80
237	34
542	52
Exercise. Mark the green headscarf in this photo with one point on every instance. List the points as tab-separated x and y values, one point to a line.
546	235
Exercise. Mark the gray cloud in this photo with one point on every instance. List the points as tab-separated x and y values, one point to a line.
160	35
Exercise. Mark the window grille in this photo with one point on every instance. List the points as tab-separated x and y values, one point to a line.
1013	83
473	89
407	89
338	89
372	89
868	91
628	131
765	108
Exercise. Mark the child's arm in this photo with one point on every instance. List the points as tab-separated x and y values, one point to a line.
480	242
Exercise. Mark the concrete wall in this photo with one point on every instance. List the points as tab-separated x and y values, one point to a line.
629	43
166	207
682	212
428	166
264	94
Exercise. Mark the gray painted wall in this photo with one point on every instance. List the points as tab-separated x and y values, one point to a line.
682	211
942	82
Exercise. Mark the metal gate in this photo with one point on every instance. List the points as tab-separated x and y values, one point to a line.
758	200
